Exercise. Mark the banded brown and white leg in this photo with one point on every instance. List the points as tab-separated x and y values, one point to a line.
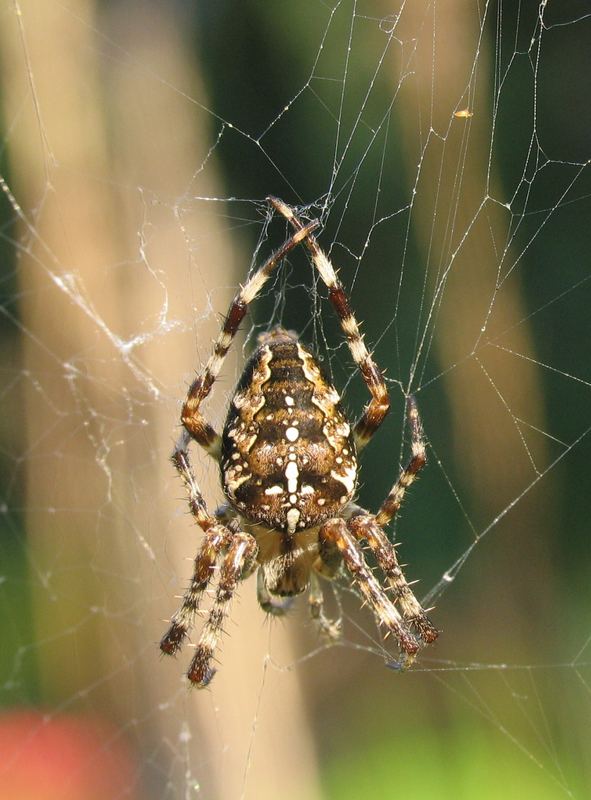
182	462
238	561
216	540
191	416
335	532
418	459
366	528
373	414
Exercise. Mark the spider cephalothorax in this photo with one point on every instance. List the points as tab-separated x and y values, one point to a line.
288	460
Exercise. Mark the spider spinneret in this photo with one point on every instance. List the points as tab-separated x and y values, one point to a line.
288	461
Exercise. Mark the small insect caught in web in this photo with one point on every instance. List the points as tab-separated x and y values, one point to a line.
288	462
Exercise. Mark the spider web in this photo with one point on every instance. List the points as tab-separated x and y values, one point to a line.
445	151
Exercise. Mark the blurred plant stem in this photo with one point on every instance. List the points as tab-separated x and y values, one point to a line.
478	306
85	197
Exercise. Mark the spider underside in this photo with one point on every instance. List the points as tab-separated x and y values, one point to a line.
288	462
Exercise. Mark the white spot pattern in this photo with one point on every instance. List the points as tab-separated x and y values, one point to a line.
292	434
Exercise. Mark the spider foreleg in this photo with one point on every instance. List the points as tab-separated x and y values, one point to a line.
335	532
365	527
238	561
374	413
418	459
191	416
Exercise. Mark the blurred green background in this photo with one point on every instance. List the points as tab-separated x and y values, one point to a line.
138	144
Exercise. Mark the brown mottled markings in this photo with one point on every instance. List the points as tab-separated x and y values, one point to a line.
299	467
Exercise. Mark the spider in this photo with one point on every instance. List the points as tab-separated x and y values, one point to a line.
288	463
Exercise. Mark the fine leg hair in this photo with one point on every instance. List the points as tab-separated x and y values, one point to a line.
240	549
365	528
374	413
217	538
334	532
237	563
191	417
418	459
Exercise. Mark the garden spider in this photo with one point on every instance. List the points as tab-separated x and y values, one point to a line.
288	460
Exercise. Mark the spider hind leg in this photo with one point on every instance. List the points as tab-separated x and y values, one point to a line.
334	533
182	621
365	528
237	563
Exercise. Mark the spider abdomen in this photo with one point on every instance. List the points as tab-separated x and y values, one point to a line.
288	456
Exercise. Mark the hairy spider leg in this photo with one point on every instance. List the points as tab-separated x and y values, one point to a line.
217	539
365	528
335	532
373	414
191	417
418	459
240	556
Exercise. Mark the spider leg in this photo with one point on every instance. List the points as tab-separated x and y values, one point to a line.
365	527
374	413
330	628
238	560
334	532
418	459
217	538
191	416
180	459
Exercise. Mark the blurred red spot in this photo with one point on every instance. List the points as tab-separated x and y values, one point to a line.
65	758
